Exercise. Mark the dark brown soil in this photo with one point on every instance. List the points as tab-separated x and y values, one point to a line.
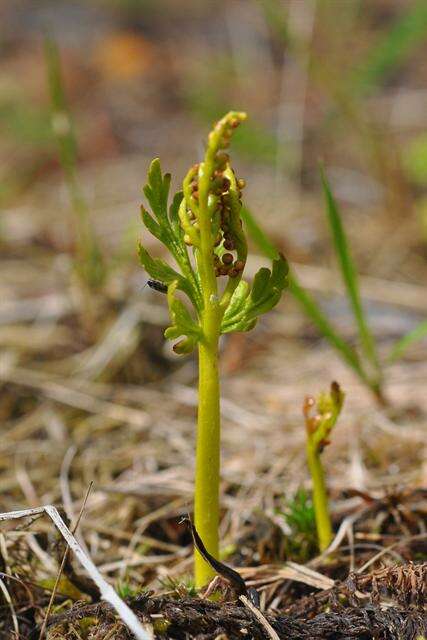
202	619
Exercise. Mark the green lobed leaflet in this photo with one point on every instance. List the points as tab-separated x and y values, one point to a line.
174	226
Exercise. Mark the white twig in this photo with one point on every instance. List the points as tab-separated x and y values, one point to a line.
107	592
61	567
260	617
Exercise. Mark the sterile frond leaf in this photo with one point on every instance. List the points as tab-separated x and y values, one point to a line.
182	322
157	190
245	307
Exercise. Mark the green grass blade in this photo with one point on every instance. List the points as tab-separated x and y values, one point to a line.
89	260
308	303
316	315
393	48
349	273
61	121
402	345
258	235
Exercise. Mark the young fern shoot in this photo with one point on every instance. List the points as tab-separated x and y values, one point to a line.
202	230
319	426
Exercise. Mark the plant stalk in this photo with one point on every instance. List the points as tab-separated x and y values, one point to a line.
206	500
206	491
320	496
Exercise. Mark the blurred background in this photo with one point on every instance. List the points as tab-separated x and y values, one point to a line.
90	92
342	81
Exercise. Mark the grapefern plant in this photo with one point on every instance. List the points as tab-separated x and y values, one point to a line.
321	416
202	230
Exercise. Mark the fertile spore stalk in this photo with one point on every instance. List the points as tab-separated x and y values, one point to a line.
318	427
203	231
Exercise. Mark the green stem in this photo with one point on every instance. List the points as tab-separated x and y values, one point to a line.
320	496
206	500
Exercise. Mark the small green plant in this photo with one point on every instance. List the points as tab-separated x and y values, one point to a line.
89	264
203	232
319	426
126	590
182	587
298	513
